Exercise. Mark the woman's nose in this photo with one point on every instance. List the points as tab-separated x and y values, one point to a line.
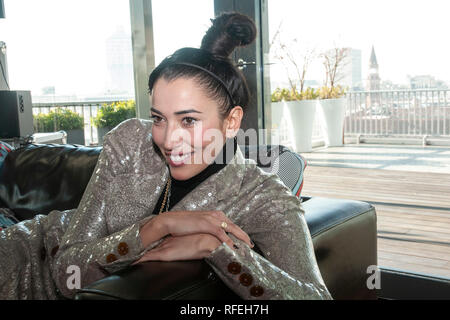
174	137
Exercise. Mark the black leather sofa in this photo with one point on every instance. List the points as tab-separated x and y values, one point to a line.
36	179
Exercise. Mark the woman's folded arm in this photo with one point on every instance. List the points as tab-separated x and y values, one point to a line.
88	245
287	268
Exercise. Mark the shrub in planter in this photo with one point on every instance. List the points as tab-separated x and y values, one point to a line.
110	115
298	108
294	95
331	92
62	119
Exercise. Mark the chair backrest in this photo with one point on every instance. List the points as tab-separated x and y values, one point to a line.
278	159
39	178
5	148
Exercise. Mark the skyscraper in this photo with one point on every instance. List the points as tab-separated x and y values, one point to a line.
352	75
348	72
119	63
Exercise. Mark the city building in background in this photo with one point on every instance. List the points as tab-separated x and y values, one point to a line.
119	64
426	82
373	81
352	70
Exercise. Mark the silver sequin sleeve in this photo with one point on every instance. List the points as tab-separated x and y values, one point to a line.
274	220
99	240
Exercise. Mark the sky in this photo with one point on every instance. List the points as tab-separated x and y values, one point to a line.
62	42
410	37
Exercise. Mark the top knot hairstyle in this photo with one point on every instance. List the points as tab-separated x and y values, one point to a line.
230	30
210	65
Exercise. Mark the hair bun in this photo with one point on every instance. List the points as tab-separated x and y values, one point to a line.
229	30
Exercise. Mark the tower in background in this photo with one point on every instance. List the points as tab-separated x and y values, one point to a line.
373	82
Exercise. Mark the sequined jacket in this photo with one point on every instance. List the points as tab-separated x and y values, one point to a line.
101	236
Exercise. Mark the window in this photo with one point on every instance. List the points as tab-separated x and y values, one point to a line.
69	50
395	73
178	23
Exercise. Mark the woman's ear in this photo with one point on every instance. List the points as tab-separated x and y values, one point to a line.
233	121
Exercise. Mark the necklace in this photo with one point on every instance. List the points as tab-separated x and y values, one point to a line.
167	192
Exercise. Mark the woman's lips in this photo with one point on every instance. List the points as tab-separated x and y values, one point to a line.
178	160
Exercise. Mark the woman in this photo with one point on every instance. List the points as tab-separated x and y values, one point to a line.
202	207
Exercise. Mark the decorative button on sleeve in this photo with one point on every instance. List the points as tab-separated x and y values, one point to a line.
234	268
111	258
246	279
256	291
122	248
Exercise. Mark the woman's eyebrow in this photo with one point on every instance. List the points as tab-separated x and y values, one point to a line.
156	111
178	112
187	111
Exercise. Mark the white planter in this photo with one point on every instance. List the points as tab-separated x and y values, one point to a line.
277	118
333	113
300	115
277	113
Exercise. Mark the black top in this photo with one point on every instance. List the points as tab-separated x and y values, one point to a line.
180	188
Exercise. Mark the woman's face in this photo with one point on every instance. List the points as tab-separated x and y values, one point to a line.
186	126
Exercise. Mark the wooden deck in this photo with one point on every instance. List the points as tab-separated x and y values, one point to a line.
413	212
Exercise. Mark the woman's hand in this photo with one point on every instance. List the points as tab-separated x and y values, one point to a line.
188	247
182	223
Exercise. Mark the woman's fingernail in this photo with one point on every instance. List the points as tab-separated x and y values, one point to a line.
252	243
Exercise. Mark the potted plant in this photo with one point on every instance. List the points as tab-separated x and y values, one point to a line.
62	119
110	115
297	109
332	100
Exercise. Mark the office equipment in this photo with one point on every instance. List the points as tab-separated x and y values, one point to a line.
16	114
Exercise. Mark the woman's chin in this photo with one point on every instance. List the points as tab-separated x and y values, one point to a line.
180	174
185	171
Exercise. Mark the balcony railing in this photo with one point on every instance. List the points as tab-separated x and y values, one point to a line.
404	113
399	113
88	110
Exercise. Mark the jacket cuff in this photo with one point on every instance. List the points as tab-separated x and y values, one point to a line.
128	250
234	267
252	276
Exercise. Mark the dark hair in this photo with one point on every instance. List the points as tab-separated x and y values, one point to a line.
210	65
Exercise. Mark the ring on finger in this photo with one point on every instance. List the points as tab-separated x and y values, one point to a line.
224	225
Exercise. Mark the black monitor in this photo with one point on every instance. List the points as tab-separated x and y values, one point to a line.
2	9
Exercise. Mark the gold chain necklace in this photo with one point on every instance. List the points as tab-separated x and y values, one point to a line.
167	192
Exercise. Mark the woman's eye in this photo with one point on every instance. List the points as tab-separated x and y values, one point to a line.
156	118
188	121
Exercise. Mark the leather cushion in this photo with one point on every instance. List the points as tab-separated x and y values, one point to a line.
38	178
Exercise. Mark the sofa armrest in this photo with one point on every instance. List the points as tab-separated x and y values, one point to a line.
157	280
344	234
344	238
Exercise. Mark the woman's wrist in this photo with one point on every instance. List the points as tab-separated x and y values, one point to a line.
210	242
154	230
